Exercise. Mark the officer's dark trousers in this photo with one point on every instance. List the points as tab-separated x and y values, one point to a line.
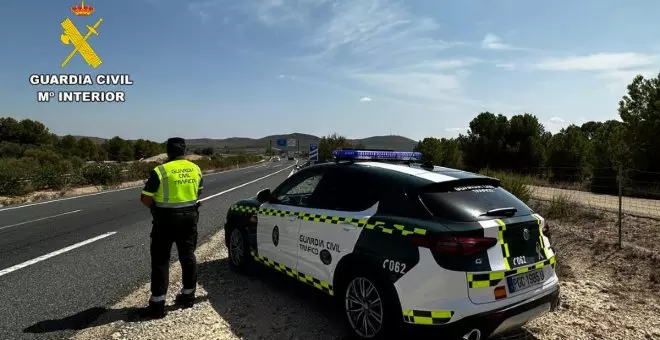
173	226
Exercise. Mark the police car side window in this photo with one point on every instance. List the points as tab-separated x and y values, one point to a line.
298	190
346	190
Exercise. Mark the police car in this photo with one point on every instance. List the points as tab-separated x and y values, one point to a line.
400	243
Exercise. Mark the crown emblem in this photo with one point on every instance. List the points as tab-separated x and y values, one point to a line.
82	10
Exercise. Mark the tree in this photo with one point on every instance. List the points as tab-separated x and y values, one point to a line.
523	143
209	151
567	154
640	112
610	154
88	149
485	144
68	146
330	143
119	149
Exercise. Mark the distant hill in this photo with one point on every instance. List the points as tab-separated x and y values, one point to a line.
249	145
398	143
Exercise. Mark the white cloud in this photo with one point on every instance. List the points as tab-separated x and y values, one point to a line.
365	99
599	62
378	43
493	42
286	76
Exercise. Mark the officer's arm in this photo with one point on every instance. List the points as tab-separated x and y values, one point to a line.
150	189
201	182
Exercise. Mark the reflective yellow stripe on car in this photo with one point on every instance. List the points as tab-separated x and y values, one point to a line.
505	246
424	317
485	280
381	226
305	278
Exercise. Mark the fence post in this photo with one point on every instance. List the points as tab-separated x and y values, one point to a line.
620	183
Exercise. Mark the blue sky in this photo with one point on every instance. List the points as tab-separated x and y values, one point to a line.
249	68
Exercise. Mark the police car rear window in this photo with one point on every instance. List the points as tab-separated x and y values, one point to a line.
468	203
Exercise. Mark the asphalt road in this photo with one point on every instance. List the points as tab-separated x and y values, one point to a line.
47	274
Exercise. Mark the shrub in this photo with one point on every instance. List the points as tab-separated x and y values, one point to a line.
14	176
57	176
100	174
560	207
515	184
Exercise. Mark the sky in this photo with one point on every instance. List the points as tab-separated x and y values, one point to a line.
251	68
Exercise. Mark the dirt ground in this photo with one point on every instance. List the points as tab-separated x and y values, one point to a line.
607	294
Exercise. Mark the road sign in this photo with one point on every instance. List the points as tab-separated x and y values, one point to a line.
281	142
313	152
291	143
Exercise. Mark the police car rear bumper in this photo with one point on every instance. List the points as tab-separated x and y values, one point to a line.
493	322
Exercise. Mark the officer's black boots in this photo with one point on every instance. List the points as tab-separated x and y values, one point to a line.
155	310
185	300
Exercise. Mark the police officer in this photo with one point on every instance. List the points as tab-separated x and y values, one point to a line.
171	193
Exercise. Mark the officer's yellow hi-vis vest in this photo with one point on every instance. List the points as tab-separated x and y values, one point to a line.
179	184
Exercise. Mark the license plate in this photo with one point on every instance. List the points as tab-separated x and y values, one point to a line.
525	280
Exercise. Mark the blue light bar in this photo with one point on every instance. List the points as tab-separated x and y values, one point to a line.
376	155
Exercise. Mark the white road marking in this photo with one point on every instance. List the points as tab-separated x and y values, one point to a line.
55	253
110	191
242	185
39	219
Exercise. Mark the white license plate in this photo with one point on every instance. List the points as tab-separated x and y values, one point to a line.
525	280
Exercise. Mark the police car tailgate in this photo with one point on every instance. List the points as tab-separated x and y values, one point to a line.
521	262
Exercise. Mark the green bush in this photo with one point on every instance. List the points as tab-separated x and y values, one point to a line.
56	176
139	170
515	184
14	177
101	174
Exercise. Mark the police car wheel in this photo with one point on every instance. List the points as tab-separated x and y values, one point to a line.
369	307
238	249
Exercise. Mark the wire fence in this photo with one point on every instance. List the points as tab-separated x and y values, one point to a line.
626	198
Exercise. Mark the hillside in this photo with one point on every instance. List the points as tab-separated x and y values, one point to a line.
242	144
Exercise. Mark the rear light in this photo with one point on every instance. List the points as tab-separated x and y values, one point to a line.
500	293
546	229
455	245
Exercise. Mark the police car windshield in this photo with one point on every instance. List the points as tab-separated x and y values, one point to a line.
472	203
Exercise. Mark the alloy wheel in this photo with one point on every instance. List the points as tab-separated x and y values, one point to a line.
364	307
236	247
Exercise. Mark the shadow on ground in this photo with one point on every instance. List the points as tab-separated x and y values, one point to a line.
269	305
92	317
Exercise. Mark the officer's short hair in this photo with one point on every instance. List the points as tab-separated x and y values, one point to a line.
176	146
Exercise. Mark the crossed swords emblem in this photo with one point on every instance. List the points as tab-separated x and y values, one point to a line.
72	35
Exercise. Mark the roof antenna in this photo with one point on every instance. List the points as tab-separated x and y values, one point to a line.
428	165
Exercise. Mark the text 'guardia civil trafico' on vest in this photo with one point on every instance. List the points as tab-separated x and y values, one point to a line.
183	176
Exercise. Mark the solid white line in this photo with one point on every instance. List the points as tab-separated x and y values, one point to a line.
110	191
55	253
39	219
242	185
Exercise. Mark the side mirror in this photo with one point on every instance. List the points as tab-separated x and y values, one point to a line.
264	196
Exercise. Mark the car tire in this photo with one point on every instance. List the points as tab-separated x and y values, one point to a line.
389	309
240	259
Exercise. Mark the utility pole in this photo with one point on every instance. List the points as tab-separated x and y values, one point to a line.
270	148
298	143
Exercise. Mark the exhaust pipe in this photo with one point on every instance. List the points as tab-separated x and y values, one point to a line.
474	334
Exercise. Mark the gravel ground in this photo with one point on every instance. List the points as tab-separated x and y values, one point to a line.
607	294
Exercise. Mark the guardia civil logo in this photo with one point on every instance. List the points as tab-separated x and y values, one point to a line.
77	47
80	43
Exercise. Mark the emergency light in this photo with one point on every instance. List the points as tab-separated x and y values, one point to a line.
349	154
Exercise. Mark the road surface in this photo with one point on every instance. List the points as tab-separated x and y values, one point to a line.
61	257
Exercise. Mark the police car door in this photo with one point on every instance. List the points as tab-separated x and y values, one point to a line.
279	223
329	231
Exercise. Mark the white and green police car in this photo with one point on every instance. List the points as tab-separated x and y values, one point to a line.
402	244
